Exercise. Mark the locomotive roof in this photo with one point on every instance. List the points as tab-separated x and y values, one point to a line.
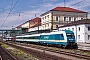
58	32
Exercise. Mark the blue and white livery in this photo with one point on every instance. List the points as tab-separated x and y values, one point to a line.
65	38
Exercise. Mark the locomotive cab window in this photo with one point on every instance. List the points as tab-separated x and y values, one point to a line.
61	35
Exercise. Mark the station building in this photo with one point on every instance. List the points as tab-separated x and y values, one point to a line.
52	19
81	29
60	16
31	26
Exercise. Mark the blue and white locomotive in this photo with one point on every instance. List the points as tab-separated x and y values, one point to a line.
65	38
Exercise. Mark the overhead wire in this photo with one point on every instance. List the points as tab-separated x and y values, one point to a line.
77	3
4	7
9	12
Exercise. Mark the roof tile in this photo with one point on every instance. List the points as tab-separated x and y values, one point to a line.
35	19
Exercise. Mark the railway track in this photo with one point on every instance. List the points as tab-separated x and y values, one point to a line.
0	58
6	55
77	55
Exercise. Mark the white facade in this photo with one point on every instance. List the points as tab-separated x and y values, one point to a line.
25	25
82	32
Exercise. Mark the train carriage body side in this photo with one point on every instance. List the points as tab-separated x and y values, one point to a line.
32	38
29	38
9	38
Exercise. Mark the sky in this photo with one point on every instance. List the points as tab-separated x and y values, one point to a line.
15	12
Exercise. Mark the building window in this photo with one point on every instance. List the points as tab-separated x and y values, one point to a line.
88	37
64	18
45	26
35	22
45	17
56	26
57	18
78	28
48	16
60	30
88	28
78	36
72	29
70	18
68	28
75	18
81	18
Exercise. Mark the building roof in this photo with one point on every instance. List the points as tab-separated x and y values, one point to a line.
66	9
35	19
19	26
32	20
84	21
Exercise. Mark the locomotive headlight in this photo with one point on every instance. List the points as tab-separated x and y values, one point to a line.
70	39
